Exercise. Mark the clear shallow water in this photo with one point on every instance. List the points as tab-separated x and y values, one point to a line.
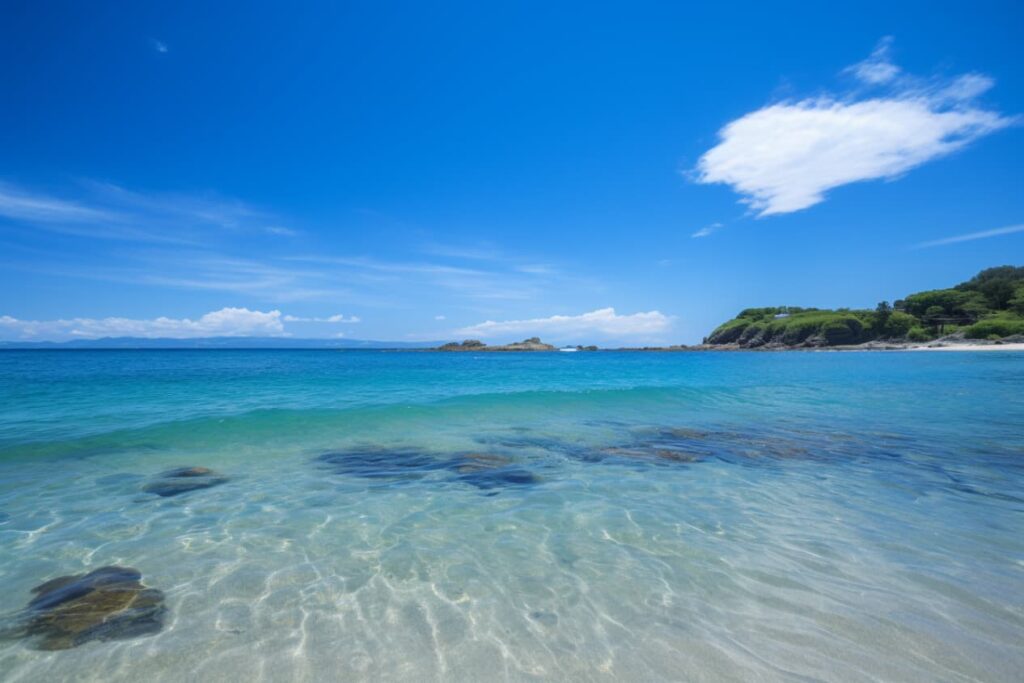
795	516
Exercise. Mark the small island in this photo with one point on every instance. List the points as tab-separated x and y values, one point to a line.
531	344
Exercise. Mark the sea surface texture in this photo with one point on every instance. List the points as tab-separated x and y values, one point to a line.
410	516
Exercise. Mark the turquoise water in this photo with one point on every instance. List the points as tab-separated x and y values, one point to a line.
628	516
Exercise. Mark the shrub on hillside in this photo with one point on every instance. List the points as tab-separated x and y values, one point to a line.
1001	327
846	330
919	334
896	326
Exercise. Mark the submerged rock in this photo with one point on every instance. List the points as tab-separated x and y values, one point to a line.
373	462
110	603
693	445
483	470
525	441
651	453
182	480
478	462
506	476
488	471
549	619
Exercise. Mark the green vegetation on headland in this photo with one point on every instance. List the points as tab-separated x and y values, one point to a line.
988	306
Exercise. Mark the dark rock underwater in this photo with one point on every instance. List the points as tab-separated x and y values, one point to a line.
109	603
182	480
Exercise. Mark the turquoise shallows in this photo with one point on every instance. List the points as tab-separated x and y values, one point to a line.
427	516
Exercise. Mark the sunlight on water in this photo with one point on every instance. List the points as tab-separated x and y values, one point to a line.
411	516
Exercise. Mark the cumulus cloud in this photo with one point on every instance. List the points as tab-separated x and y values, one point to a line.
339	318
604	322
786	156
227	322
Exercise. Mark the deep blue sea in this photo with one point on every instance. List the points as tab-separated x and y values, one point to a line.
412	516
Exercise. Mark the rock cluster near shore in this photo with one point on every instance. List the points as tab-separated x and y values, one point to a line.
485	471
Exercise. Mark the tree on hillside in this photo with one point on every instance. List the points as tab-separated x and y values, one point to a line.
1017	302
933	316
882	313
998	285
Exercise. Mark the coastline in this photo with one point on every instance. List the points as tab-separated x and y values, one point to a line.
869	346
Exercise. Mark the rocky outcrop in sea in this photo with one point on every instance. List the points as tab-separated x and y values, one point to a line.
531	344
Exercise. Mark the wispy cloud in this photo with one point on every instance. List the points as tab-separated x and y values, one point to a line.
227	322
339	318
485	252
20	205
491	256
786	156
971	236
215	272
707	230
110	212
280	230
207	209
159	45
878	68
480	283
604	322
208	242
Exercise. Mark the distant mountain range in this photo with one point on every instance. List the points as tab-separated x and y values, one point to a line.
217	343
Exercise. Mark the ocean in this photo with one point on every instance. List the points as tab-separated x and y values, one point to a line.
416	516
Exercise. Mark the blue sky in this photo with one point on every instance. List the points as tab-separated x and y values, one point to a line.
588	172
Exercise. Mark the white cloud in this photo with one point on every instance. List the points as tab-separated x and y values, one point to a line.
968	237
466	253
473	283
159	46
108	211
439	317
280	230
339	318
227	322
18	204
785	157
201	241
877	68
707	230
604	322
